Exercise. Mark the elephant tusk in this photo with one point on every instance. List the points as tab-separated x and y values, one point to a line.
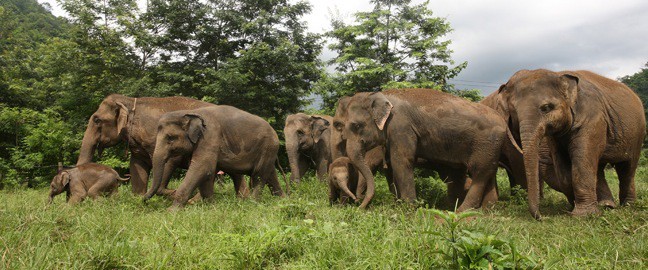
512	139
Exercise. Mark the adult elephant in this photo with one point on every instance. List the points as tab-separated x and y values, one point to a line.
307	144
133	120
423	123
512	160
587	121
214	138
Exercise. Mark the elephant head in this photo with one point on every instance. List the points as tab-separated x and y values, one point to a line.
106	126
340	174
178	133
537	105
60	183
302	133
338	142
366	118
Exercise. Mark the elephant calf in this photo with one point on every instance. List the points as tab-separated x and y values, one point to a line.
85	180
343	180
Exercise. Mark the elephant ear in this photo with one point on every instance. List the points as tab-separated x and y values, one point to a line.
570	87
65	178
194	125
122	117
380	109
318	126
502	109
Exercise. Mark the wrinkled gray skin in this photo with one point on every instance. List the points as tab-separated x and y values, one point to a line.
308	144
122	118
86	180
422	123
342	180
512	160
587	121
214	138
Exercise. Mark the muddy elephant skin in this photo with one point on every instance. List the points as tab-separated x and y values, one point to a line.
308	144
214	138
86	180
587	121
428	124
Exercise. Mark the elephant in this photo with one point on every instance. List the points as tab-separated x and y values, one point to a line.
214	138
342	180
308	143
587	121
462	137
512	161
89	179
133	120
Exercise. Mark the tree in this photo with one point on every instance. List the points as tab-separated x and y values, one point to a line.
395	45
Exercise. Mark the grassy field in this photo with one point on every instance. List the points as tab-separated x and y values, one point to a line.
304	232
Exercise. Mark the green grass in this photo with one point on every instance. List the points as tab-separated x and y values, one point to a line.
302	232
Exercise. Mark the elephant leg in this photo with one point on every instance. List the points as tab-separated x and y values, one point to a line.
240	187
139	171
202	169
322	169
390	181
603	193
360	188
402	156
491	194
97	189
481	174
206	188
455	180
626	172
269	176
585	152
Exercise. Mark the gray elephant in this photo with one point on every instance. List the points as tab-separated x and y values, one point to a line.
214	138
462	137
587	121
307	144
342	181
86	180
134	120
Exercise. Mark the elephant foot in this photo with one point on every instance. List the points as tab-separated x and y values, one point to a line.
607	204
195	199
175	208
581	210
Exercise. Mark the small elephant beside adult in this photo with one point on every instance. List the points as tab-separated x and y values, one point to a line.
214	138
308	144
461	137
134	120
587	122
86	180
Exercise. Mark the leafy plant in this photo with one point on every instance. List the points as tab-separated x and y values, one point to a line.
466	249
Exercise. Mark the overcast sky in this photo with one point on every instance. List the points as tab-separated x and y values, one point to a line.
499	37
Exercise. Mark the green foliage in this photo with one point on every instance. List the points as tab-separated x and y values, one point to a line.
467	249
396	45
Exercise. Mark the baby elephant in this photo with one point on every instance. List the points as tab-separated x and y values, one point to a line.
343	180
88	179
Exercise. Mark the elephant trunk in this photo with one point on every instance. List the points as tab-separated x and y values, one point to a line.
88	145
344	185
531	133
358	160
159	161
292	149
51	198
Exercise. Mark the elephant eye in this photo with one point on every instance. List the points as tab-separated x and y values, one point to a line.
97	120
170	138
547	107
338	125
300	133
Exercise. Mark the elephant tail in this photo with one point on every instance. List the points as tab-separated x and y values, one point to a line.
125	179
284	177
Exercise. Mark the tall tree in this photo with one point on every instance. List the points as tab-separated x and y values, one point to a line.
396	44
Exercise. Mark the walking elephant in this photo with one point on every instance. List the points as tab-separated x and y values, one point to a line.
307	144
587	121
86	180
463	138
133	120
214	138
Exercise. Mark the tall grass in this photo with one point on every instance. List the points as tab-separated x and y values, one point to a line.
303	232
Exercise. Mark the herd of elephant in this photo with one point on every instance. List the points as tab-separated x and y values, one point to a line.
559	128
